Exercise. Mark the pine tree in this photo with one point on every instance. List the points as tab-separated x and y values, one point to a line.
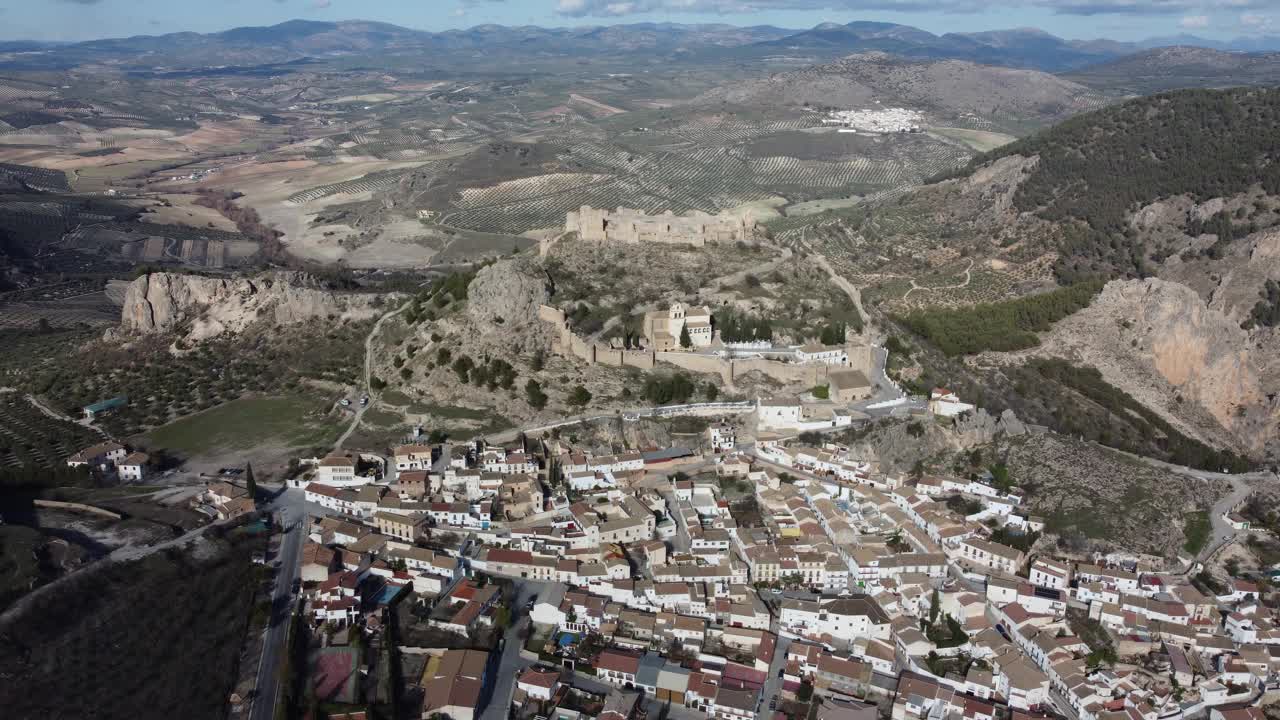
250	483
686	342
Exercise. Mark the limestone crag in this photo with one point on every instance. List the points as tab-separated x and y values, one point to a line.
199	307
996	184
980	428
1161	343
502	306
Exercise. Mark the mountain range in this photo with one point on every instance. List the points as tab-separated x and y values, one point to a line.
1023	47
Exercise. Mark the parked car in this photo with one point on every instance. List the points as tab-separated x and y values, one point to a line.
364	401
345	402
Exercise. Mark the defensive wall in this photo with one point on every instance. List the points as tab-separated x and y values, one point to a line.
568	344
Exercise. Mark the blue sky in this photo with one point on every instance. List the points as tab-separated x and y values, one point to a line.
1116	19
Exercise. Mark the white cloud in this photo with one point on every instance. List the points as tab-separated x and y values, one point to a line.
321	4
1256	24
1194	22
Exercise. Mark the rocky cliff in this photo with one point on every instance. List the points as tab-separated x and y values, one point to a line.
502	306
197	307
1163	344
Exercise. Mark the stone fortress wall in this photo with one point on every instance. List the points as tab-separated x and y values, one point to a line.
634	227
568	344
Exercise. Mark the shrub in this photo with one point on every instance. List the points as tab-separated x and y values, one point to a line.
534	395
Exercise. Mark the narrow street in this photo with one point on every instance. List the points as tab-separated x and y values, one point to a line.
773	683
510	664
274	645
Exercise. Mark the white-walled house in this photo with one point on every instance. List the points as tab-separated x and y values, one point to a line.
413	457
778	412
133	467
336	470
98	457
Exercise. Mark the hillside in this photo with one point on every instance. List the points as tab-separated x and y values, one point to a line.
1094	170
1170	68
956	91
1175	199
300	40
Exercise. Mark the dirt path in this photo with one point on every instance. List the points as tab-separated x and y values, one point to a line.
849	288
46	410
762	269
368	373
967	278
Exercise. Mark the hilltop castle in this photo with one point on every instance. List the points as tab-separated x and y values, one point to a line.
633	227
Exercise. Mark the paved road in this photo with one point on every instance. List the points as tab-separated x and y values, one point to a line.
1241	485
1223	533
274	642
510	664
368	373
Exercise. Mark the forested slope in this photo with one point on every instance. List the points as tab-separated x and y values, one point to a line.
1097	168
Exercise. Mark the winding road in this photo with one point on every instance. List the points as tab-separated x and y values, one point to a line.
368	373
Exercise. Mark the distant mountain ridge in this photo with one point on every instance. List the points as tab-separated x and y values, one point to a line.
1170	68
1022	47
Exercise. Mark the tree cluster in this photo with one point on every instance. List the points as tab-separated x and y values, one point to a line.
1143	430
492	373
1267	311
735	326
1002	326
675	389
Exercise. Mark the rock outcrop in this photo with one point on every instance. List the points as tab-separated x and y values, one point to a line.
1161	343
898	445
502	306
979	428
197	307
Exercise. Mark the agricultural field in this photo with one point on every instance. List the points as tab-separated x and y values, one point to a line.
93	309
164	387
405	168
291	423
28	436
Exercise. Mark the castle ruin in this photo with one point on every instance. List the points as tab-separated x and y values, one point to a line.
632	227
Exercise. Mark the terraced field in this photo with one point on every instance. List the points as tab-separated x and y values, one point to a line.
367	183
28	436
93	309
